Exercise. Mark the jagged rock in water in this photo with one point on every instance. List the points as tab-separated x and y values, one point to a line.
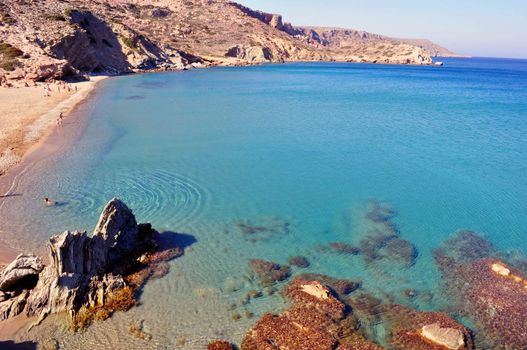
118	231
88	272
21	274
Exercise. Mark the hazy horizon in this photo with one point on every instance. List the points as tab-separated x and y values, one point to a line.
477	28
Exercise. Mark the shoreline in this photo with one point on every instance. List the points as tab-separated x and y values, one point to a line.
37	137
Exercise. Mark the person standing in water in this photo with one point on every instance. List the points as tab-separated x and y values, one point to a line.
48	202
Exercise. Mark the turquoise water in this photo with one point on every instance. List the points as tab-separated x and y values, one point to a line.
302	148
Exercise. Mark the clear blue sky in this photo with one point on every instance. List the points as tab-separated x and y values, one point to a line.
496	28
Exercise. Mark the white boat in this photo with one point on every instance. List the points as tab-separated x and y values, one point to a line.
438	63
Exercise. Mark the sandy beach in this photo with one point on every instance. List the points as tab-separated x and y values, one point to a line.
27	118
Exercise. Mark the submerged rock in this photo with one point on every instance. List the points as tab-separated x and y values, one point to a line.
417	330
400	250
464	246
298	261
339	248
311	323
340	286
382	240
494	296
90	276
268	273
317	320
264	229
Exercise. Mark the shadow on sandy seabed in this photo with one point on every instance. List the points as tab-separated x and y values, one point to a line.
11	345
170	239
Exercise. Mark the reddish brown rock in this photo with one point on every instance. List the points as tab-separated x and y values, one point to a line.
464	246
298	261
220	345
311	323
276	332
494	296
339	248
268	273
341	286
313	294
415	330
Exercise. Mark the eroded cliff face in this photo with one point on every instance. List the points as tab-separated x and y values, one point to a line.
40	39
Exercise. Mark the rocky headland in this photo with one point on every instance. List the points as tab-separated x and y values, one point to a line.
54	39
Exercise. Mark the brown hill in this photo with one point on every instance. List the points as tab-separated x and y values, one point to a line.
43	39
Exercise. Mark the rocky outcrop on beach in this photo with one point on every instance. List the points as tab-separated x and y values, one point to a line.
53	39
88	276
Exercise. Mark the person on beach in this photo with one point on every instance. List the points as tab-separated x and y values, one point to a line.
60	119
48	202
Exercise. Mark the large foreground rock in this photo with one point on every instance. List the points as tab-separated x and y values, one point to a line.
86	273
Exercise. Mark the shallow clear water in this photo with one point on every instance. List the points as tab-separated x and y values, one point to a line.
301	147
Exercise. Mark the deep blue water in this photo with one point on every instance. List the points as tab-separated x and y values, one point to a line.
305	146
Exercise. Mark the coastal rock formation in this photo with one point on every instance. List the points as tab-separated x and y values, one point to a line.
22	272
88	276
54	39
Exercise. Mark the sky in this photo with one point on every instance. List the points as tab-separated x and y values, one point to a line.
490	28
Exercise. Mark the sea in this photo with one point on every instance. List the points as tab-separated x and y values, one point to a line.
281	160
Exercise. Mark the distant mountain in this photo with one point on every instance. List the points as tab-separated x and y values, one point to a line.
57	38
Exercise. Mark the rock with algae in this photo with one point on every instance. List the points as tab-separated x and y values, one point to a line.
419	330
491	292
315	321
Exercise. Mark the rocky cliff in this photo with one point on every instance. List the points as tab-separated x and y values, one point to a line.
43	39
